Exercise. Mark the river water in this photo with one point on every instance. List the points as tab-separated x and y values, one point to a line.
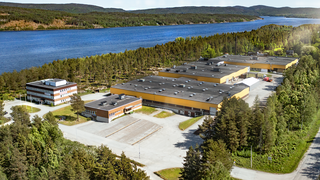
24	49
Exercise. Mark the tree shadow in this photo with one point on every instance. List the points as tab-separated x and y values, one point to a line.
312	170
65	118
270	87
190	139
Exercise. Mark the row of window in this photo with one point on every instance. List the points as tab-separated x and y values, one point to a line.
91	112
67	89
39	90
39	95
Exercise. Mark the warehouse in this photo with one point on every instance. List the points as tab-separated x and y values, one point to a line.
182	95
106	109
251	82
259	63
51	91
216	72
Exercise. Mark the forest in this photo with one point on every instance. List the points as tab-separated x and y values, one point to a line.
281	129
14	18
38	150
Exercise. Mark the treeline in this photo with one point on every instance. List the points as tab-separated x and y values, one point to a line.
46	19
281	129
38	150
276	130
108	69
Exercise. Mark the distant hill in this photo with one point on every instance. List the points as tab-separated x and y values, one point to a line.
259	10
253	10
16	19
71	8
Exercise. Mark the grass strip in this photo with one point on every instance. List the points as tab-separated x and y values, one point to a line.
146	110
185	124
163	114
169	174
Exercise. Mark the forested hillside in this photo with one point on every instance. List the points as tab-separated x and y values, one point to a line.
240	10
38	150
253	10
70	8
13	18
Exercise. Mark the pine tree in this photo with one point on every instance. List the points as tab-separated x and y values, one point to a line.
192	164
77	105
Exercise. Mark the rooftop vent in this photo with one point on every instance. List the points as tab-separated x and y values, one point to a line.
175	93
174	85
184	63
182	85
174	66
178	70
193	67
114	103
141	80
122	96
103	103
163	89
168	69
189	87
135	85
212	75
145	88
225	64
216	69
203	90
160	90
191	95
255	58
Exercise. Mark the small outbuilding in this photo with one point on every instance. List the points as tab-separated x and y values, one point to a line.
251	82
111	107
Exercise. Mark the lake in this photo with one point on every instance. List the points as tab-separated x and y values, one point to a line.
24	49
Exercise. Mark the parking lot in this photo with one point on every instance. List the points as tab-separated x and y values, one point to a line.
127	129
264	89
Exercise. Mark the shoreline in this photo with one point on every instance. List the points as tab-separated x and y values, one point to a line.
71	27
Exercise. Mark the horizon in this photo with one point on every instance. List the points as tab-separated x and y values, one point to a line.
152	4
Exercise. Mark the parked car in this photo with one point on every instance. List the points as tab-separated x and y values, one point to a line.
5	112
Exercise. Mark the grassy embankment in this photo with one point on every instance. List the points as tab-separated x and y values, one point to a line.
31	109
164	114
185	124
286	156
70	116
146	110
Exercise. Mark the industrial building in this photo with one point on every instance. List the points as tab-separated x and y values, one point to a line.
182	95
51	91
216	72
259	63
251	82
111	107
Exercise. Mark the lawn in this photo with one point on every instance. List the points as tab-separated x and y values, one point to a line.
169	174
163	114
31	109
146	110
185	124
70	116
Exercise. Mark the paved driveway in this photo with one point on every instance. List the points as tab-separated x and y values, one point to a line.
165	148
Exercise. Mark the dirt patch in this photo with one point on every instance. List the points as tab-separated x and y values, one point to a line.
97	26
4	14
30	25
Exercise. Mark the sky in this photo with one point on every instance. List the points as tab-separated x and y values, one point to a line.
146	4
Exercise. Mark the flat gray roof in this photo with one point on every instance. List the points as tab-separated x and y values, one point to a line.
165	86
205	69
261	59
41	85
109	101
